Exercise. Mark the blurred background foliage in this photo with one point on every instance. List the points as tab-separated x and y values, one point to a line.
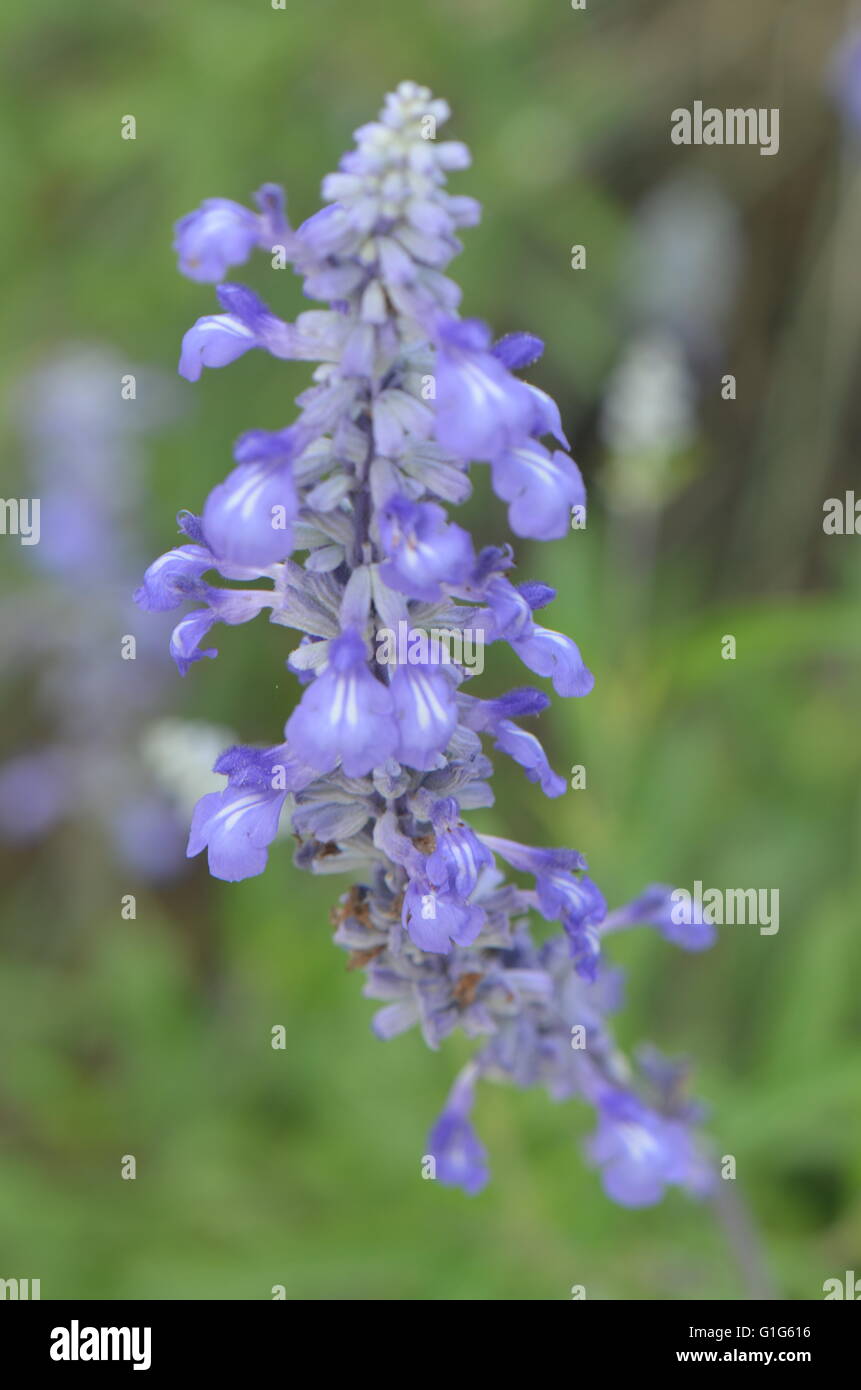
152	1037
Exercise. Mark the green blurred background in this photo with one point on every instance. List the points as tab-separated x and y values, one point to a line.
151	1037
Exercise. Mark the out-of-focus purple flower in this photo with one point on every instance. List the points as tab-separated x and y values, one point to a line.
217	235
845	75
221	233
148	836
460	1157
34	794
561	896
517	350
641	1152
660	906
82	428
573	901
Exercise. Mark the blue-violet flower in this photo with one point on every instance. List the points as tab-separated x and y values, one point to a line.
383	756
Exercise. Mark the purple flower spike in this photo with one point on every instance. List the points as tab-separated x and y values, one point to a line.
339	524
